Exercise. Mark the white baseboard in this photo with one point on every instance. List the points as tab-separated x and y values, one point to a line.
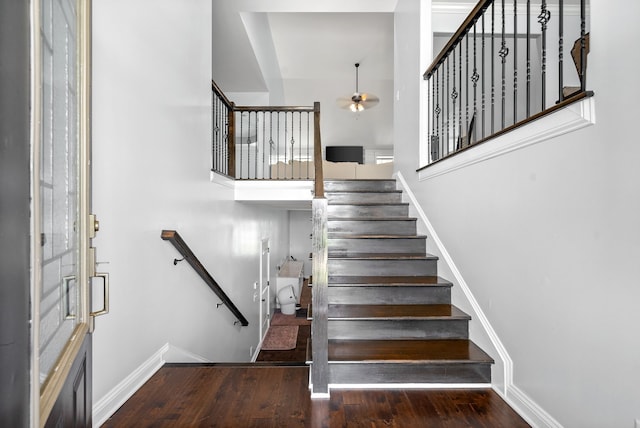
107	405
530	411
535	415
507	364
179	355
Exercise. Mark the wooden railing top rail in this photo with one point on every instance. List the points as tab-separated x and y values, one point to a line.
177	241
216	89
274	108
460	32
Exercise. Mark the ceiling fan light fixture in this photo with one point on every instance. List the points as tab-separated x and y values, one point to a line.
356	107
358	101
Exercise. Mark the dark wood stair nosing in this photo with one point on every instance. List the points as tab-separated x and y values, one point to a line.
387	218
456	313
388	281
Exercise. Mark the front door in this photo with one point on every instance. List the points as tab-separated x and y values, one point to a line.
63	260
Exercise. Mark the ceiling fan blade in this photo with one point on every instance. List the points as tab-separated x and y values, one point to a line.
369	100
344	102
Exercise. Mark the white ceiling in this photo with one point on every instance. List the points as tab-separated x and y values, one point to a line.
309	41
327	45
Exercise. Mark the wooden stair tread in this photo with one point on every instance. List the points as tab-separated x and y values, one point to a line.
367	204
393	312
333	192
388	218
406	351
342	235
378	256
419	280
340	180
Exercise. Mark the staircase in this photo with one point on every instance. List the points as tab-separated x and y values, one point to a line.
390	318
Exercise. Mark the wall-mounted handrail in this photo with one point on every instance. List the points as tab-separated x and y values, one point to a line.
177	241
263	142
504	67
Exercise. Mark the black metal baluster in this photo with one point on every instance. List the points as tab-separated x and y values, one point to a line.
454	98
515	61
271	144
292	152
241	145
466	85
308	142
433	115
448	110
436	108
483	102
528	58
300	141
264	145
249	147
225	145
443	108
560	50
493	61
583	46
278	141
474	78
504	51
216	132
458	94
286	130
543	19
429	119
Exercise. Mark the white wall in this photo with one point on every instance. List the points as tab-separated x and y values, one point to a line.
341	127
548	239
151	133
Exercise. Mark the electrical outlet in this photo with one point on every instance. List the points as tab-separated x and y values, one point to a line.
255	285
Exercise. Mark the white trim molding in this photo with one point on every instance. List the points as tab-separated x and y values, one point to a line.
459	279
571	118
535	415
514	396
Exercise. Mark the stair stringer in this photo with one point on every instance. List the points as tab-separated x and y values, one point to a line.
486	337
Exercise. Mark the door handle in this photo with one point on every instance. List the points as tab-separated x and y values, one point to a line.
105	295
66	300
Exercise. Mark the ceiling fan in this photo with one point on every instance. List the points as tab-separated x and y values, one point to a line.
358	101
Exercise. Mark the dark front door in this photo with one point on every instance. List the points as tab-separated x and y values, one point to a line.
64	261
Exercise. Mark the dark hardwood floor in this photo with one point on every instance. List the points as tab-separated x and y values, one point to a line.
274	393
268	396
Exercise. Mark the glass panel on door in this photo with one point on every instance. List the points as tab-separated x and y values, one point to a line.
59	192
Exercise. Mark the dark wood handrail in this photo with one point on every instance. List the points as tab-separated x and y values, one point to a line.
462	30
274	108
177	241
215	88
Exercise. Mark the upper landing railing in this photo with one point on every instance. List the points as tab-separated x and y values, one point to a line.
256	143
504	67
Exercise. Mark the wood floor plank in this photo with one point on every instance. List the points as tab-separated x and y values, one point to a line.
263	396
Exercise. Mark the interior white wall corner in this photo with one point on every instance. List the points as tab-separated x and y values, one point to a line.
259	33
